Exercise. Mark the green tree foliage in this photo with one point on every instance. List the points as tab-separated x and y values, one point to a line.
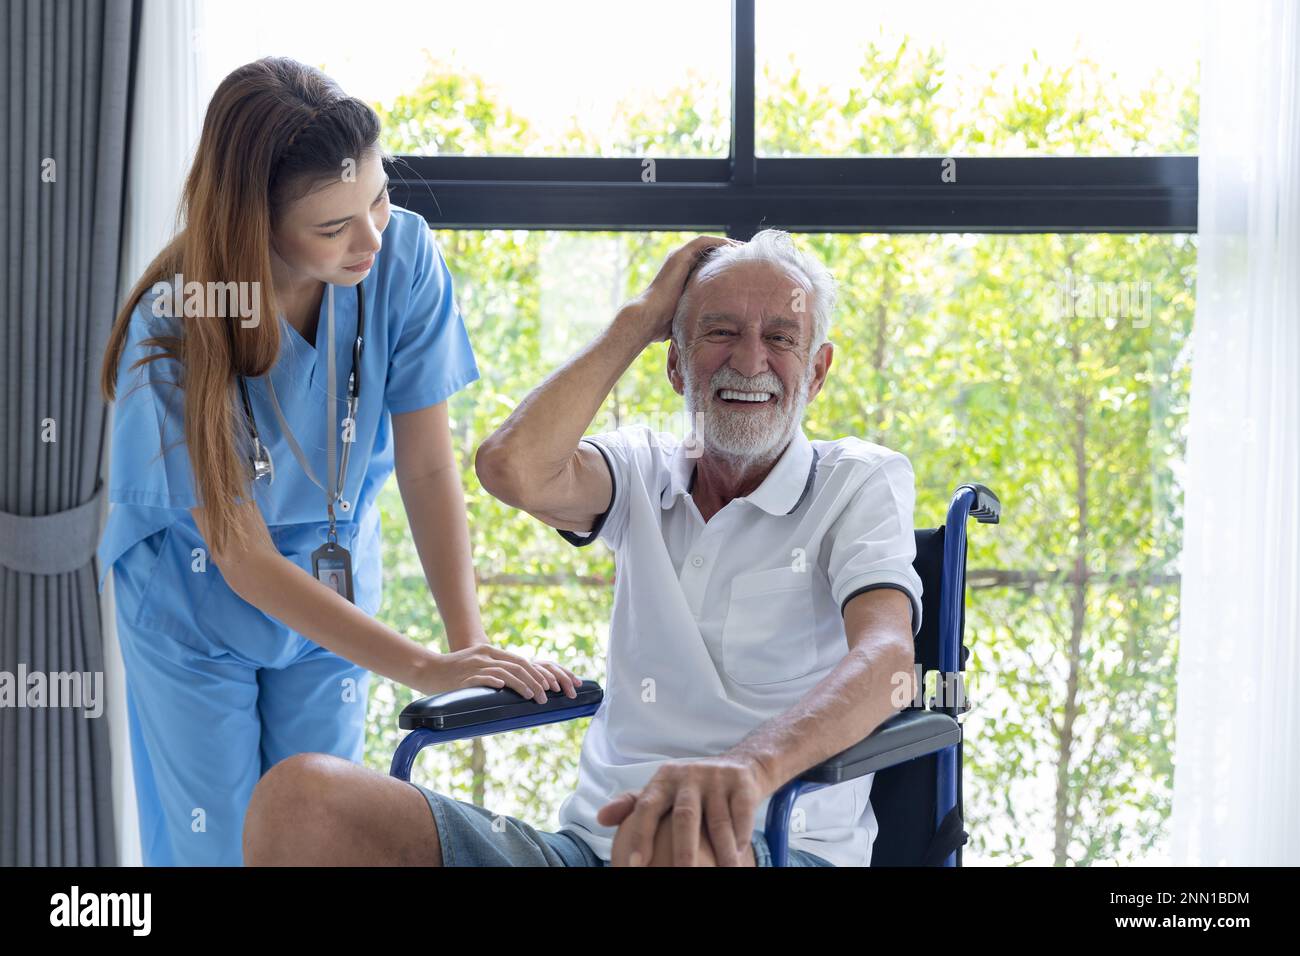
997	358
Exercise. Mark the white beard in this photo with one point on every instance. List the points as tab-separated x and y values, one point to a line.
747	437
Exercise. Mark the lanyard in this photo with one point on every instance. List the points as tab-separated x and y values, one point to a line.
335	476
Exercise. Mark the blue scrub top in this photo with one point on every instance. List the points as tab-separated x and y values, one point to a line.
417	353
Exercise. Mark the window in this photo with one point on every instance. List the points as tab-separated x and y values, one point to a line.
566	78
948	78
1019	318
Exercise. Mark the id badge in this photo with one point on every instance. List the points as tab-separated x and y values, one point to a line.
331	564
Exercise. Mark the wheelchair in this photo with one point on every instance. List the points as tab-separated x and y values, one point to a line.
916	754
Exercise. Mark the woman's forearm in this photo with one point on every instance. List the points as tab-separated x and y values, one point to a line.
278	587
435	509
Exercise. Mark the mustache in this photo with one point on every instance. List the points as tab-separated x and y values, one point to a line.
726	377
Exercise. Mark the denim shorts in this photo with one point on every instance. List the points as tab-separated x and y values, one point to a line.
473	836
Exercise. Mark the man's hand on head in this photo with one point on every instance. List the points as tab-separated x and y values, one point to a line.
717	796
654	308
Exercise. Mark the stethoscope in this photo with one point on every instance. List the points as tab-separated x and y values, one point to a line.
263	466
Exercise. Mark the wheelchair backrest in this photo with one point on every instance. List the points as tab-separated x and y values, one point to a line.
904	797
929	567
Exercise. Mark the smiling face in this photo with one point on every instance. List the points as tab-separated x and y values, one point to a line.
744	363
333	233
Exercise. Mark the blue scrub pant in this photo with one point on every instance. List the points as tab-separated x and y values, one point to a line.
204	728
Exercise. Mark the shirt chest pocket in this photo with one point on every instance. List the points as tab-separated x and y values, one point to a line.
769	634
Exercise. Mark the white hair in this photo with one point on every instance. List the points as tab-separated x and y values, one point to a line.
776	247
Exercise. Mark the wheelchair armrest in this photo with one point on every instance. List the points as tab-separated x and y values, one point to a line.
475	706
908	734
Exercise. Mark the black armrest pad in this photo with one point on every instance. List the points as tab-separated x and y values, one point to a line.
906	735
480	705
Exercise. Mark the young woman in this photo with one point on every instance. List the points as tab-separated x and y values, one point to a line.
292	346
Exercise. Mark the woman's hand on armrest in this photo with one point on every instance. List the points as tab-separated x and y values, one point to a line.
273	584
483	665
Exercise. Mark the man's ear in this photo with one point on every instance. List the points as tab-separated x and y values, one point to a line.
674	368
821	366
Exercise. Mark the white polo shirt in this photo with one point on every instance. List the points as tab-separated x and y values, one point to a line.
719	627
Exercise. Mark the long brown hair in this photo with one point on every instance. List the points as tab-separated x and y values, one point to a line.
275	129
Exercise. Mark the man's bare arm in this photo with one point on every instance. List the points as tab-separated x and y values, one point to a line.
535	461
850	702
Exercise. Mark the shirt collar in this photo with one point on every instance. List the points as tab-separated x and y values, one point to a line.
782	491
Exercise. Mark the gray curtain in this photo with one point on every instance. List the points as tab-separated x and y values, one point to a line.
66	70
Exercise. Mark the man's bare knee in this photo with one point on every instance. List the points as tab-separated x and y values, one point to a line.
287	814
319	810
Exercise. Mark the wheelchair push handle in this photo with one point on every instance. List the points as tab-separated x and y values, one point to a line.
986	509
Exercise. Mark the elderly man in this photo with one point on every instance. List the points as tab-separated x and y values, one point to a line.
764	610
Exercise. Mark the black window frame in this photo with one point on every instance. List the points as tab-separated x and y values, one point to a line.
743	193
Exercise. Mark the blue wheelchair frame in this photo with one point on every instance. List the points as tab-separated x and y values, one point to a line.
908	735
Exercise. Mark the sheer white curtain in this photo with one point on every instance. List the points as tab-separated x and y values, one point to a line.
1237	749
166	120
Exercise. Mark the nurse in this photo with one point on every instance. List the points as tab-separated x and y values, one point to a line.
291	347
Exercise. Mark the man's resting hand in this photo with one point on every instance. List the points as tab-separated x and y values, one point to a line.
717	796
